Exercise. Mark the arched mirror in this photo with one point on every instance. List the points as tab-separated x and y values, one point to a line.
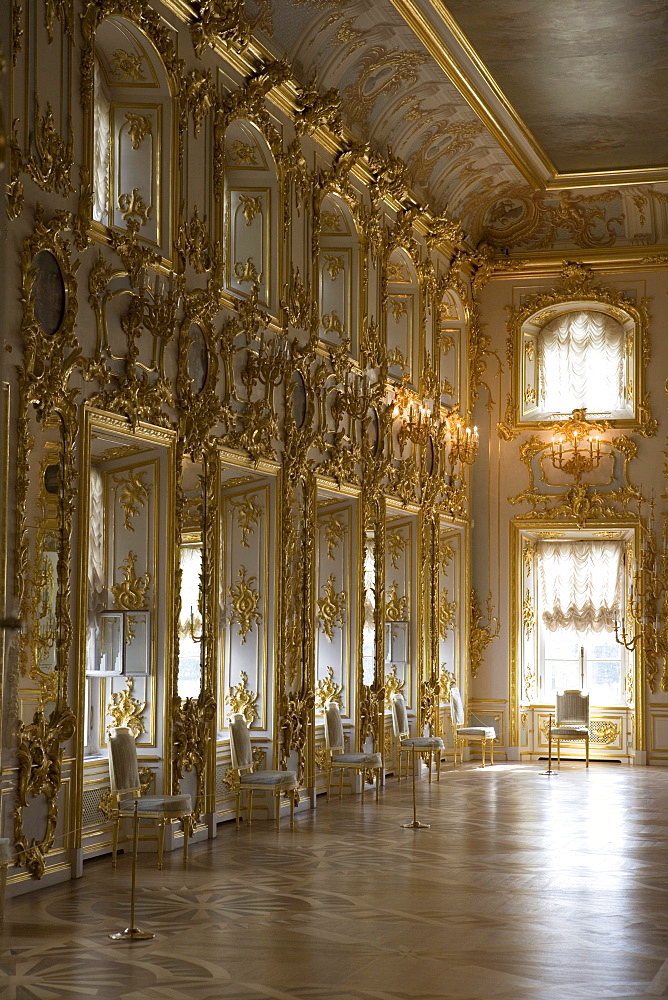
193	583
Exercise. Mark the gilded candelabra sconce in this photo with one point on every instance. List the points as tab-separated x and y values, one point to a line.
355	394
461	440
268	363
189	627
576	445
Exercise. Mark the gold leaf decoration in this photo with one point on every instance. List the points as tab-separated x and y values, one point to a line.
133	207
335	532
447	614
134	494
328	690
393	684
331	608
248	514
396	607
242	700
396	545
250	207
125	710
130	593
247	272
127	66
333	264
139	126
481	635
244	153
244	600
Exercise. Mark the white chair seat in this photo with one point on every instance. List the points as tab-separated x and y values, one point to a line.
270	779
570	732
423	742
358	759
157	805
481	732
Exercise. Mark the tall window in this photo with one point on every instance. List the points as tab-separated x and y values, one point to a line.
581	363
580	595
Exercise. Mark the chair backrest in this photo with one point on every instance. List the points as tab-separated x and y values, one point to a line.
457	716
334	738
123	765
572	708
240	743
399	716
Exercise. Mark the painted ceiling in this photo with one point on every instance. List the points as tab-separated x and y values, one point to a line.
500	110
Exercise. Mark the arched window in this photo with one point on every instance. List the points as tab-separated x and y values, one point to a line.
578	355
581	363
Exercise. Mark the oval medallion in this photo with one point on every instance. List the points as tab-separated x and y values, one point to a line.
198	361
48	292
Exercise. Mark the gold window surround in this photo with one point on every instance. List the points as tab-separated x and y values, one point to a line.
576	290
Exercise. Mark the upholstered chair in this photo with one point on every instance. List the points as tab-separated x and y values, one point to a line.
571	721
463	734
412	745
337	756
249	780
126	790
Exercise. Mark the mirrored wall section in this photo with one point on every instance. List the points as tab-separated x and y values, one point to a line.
126	587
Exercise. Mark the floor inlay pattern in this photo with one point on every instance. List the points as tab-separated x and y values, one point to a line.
524	888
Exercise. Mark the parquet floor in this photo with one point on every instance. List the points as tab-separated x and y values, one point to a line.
524	888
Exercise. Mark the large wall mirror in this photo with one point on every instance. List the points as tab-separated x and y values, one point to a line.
126	583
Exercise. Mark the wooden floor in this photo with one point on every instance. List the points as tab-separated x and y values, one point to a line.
524	888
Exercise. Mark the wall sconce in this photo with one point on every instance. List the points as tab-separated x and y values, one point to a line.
576	447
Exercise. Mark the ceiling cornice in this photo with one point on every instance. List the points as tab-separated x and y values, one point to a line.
442	37
549	264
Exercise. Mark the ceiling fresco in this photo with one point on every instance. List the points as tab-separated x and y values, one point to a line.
390	61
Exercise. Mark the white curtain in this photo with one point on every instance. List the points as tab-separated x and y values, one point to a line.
101	148
96	538
581	363
191	570
581	584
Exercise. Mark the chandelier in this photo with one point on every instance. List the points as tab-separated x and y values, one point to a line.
576	445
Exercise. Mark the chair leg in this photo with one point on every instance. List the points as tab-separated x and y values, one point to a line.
340	782
438	765
430	760
558	753
329	782
491	752
186	838
587	750
293	795
161	841
377	783
114	847
250	806
277	796
238	806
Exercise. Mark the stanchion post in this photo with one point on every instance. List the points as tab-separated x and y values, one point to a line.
133	933
550	773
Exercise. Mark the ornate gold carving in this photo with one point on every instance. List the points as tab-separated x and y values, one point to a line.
129	594
244	153
333	264
330	222
332	324
328	690
371	717
396	607
133	207
125	710
248	515
199	95
127	66
447	614
393	685
528	614
398	308
331	608
244	600
224	21
603	732
296	714
134	493
250	207
242	700
335	532
247	273
191	735
39	761
396	545
481	635
315	110
52	166
536	218
195	242
139	126
429	702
